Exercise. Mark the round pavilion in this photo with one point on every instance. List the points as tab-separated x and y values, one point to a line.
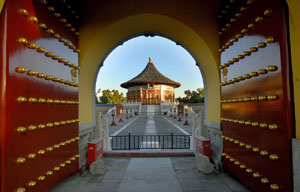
150	87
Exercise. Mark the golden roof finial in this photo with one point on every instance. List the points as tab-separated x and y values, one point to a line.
150	59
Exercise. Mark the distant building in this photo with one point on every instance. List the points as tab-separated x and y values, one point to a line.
150	87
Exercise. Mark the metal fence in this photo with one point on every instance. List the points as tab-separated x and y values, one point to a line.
128	142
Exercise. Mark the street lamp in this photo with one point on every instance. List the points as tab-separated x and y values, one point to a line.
174	113
179	114
186	120
113	118
121	113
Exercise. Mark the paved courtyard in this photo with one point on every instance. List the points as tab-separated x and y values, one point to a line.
176	174
150	132
163	174
137	125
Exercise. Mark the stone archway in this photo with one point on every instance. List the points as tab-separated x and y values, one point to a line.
119	31
294	39
160	35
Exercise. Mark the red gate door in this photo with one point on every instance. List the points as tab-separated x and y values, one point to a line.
39	94
257	117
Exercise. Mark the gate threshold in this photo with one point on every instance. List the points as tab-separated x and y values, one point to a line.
150	153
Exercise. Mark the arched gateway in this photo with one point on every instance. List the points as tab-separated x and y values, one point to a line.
40	68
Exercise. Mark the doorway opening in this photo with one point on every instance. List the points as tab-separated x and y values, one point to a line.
150	104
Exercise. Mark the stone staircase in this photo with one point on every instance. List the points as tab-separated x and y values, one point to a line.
150	110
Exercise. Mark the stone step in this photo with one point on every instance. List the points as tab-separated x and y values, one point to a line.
150	153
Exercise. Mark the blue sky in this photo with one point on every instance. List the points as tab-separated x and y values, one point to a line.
128	60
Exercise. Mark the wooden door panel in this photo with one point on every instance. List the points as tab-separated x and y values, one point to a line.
257	110
39	95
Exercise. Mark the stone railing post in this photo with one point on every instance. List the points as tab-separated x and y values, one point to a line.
194	130
98	126
105	135
202	128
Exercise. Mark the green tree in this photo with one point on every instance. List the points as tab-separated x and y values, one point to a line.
112	97
192	96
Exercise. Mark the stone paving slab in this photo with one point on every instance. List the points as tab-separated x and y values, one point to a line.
113	129
151	153
67	184
187	128
191	179
136	128
125	126
163	127
182	169
150	128
109	182
157	125
149	175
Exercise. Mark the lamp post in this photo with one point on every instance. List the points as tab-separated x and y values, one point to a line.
121	113
179	114
186	120
113	118
174	113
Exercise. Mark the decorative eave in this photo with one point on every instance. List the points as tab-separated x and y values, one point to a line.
150	75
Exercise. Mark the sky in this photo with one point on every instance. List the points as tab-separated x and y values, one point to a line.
128	60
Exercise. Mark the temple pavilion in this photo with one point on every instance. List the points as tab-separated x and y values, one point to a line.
150	87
